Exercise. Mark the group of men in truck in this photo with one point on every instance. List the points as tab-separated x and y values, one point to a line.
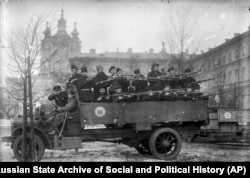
118	85
157	86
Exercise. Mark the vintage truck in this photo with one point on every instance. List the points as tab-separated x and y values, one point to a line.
154	127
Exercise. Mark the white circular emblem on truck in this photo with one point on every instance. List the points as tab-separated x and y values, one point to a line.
227	115
100	111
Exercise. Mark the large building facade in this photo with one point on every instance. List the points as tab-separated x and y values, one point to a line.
229	61
66	50
127	61
57	49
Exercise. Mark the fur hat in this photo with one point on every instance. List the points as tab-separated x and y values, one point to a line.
57	88
112	67
155	64
99	66
118	69
84	69
73	67
137	71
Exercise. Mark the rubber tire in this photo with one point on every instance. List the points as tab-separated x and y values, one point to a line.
153	139
17	149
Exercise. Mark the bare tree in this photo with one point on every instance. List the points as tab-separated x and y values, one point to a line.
179	30
59	77
23	49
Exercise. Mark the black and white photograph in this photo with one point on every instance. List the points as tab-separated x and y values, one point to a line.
125	81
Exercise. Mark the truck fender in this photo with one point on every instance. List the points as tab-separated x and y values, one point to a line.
37	131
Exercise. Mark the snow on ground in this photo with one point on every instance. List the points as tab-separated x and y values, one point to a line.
109	152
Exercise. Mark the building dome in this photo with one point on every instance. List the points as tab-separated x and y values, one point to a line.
62	23
75	33
62	20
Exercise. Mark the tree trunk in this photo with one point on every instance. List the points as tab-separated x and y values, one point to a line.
24	129
31	112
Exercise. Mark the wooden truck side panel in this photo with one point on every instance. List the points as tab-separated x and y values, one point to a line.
143	112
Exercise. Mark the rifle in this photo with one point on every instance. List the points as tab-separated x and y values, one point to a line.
132	78
205	80
104	81
177	76
211	94
152	92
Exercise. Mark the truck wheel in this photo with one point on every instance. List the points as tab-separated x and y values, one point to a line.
165	143
17	148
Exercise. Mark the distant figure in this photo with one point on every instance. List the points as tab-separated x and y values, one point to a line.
60	97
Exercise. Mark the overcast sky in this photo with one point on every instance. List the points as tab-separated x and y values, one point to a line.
108	25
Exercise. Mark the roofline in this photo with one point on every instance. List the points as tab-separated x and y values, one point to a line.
226	43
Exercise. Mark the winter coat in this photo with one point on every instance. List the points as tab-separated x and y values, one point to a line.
61	98
155	85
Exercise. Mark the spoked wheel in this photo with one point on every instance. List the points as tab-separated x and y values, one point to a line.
165	143
39	146
143	148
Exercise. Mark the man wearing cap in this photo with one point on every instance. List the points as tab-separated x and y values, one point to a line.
74	77
100	76
60	97
173	82
84	86
111	78
112	71
99	86
155	85
121	80
102	95
140	85
188	82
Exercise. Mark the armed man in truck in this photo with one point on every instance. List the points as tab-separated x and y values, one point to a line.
59	96
59	119
85	86
74	77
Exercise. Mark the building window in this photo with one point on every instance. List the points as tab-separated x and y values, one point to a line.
215	63
209	66
229	76
224	59
243	50
236	75
237	53
243	72
230	56
219	60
